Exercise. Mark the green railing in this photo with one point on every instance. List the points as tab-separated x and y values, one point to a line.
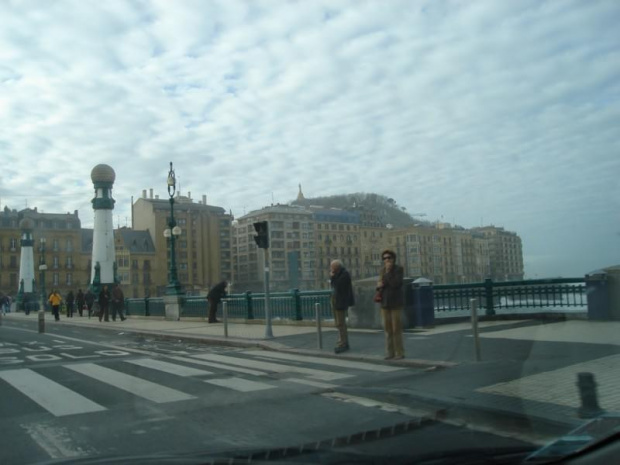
529	294
291	305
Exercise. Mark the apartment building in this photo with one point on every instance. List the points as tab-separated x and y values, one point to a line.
506	253
57	240
203	250
291	250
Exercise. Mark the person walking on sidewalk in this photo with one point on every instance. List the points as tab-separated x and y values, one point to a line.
79	300
214	297
89	298
341	299
392	301
118	302
104	303
70	302
55	301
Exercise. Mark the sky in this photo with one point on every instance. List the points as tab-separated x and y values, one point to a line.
467	112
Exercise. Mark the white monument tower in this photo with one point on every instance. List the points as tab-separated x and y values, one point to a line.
26	263
103	269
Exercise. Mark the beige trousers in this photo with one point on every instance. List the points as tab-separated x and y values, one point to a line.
393	325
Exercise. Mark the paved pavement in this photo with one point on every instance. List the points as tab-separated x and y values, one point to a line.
527	367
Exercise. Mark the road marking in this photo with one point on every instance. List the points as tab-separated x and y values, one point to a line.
275	367
56	441
323	361
219	365
167	367
240	384
137	386
53	397
308	382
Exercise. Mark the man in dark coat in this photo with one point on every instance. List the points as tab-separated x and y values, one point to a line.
118	302
342	298
70	302
216	294
79	301
104	303
89	298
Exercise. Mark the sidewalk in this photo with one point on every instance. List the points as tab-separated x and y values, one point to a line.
527	370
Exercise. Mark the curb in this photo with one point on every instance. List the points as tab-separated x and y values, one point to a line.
271	345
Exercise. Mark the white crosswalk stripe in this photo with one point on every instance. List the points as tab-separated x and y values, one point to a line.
62	397
167	367
323	361
275	367
53	397
219	365
132	384
240	384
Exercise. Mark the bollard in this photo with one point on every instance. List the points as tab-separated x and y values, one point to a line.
319	334
587	392
225	317
473	304
41	320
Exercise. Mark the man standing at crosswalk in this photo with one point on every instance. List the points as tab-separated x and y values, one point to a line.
342	298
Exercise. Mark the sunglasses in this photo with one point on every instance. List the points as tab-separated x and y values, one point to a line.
388	258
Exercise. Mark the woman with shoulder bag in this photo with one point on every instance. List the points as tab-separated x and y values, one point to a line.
390	294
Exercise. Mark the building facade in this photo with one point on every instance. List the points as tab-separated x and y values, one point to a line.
203	250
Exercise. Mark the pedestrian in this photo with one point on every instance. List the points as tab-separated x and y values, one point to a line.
79	300
104	303
215	295
89	298
118	302
341	299
55	300
4	303
390	285
70	301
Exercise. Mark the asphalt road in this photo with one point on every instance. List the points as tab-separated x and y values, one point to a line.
74	392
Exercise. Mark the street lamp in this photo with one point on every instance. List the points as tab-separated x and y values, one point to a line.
172	233
42	269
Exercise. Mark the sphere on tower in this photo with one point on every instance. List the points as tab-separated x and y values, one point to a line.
103	174
26	224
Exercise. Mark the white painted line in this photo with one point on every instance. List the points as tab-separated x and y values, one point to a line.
53	397
167	367
137	386
240	384
308	382
366	402
343	363
275	367
219	365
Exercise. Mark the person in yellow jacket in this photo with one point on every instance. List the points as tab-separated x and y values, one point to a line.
55	299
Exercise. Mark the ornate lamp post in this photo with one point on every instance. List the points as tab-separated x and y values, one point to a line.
173	289
172	233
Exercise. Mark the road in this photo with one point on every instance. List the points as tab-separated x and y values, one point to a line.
76	392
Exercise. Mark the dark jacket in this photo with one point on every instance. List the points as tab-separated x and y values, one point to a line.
79	299
392	294
217	292
342	290
70	298
104	298
89	297
117	295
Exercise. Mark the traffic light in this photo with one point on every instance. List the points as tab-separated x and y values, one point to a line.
262	234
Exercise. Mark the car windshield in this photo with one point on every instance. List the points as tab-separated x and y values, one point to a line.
351	231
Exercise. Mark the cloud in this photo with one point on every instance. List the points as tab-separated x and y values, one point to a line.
505	111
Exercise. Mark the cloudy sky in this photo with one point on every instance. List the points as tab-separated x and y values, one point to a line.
468	112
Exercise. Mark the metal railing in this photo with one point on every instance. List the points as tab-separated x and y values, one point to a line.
529	294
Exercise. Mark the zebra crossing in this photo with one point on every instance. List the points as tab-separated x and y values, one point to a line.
67	391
